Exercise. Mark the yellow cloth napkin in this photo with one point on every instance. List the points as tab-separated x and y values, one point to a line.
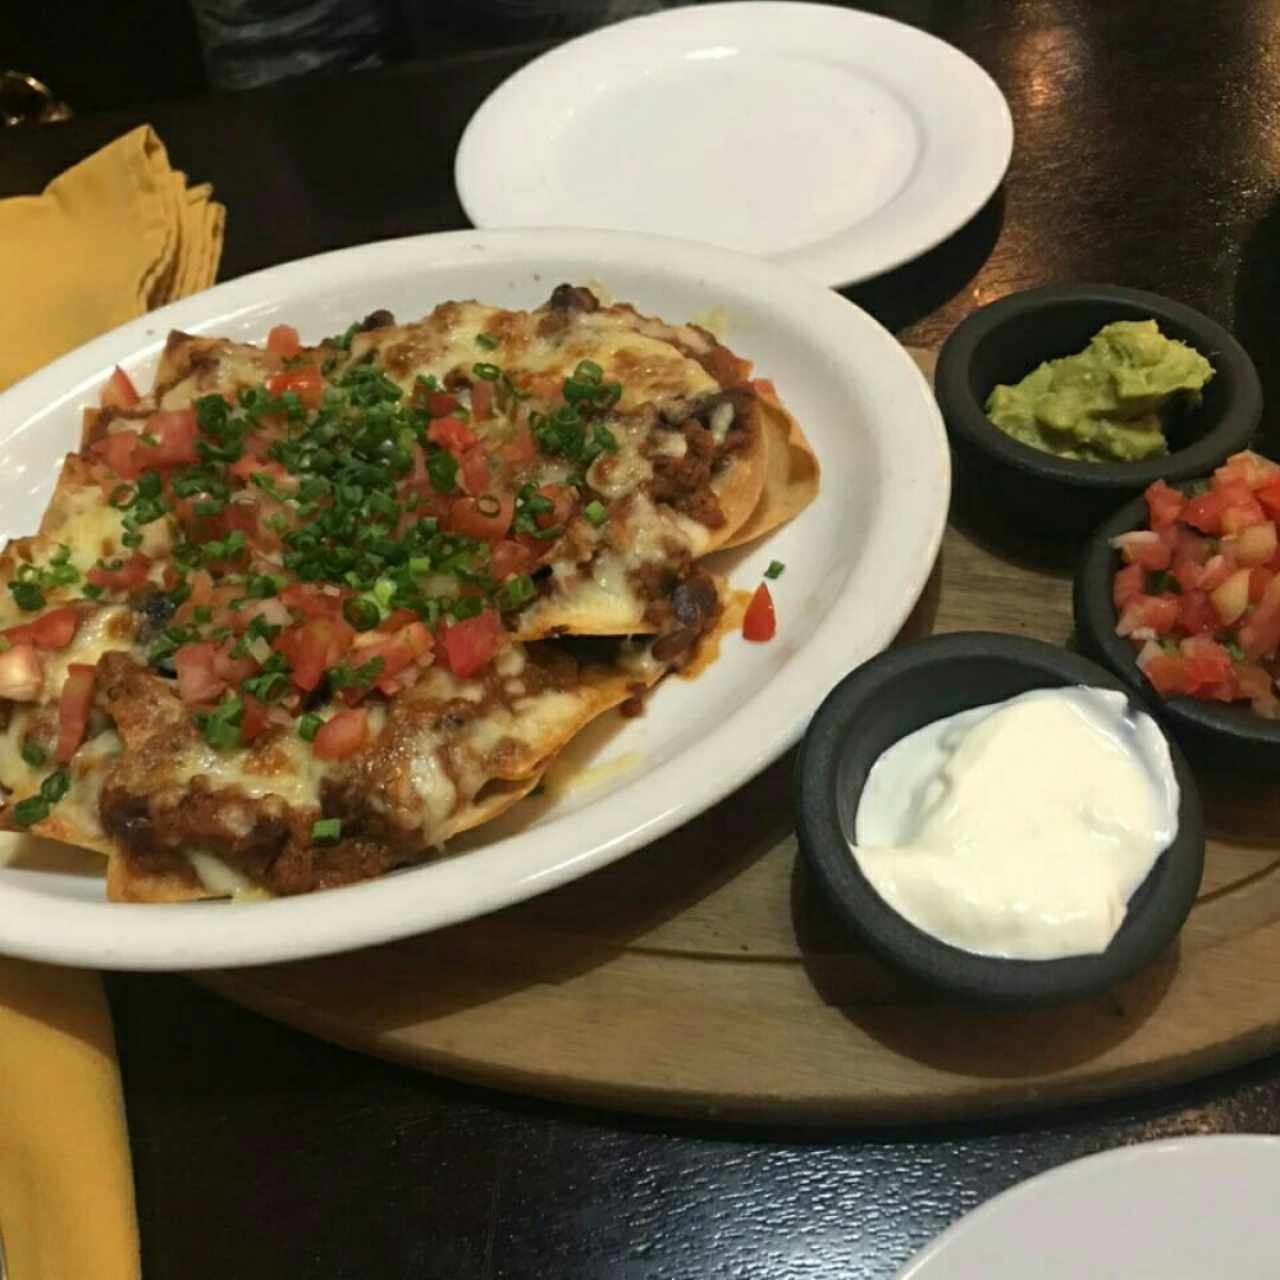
113	237
66	1183
116	235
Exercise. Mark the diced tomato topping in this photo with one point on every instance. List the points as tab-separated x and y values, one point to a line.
1208	662
232	669
1186	572
1242	515
253	718
1144	548
1130	581
1165	504
1260	633
306	382
1205	512
481	400
201	583
1168	674
312	600
117	449
1146	614
760	622
520	449
118	392
314	646
452	434
74	705
1268	496
197	679
563	502
487	517
475	470
1248	468
130	573
247	466
175	432
53	630
1259	579
411	644
1216	572
440	404
283	341
397	620
1196	614
21	673
342	735
469	646
507	558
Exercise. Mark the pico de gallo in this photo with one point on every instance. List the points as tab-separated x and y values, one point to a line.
1199	592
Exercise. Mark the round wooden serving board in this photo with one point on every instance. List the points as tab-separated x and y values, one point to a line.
703	976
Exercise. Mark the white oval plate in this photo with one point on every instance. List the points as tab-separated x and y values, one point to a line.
856	562
837	142
1184	1209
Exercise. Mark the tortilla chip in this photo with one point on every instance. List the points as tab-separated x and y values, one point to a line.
790	474
128	880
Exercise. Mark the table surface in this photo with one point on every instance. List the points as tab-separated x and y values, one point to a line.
1147	154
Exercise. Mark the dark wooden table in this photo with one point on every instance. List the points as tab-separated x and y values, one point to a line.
1148	154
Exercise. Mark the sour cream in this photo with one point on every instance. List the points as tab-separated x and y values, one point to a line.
1020	829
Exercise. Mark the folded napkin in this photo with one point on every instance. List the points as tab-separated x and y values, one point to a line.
116	235
113	237
66	1183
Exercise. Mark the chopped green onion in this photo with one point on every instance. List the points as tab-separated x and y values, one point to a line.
489	372
36	808
33	753
594	511
324	829
487	340
28	596
220	727
308	726
515	592
775	569
361	613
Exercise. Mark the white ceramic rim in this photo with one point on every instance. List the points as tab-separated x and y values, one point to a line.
942	1252
970	168
38	926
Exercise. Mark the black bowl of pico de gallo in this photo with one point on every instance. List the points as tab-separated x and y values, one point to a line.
1178	593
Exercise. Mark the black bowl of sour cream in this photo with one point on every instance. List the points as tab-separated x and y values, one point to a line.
1034	909
1004	341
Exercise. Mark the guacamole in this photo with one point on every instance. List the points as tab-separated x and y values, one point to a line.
1104	404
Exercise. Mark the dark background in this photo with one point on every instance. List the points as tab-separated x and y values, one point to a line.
1147	154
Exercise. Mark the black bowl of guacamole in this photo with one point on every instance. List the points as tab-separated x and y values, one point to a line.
1001	344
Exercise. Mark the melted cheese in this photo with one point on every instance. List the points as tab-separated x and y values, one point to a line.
291	771
221	879
237	366
90	526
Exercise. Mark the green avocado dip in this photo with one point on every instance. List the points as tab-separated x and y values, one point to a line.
1105	404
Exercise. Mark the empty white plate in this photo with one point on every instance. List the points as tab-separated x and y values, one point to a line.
837	142
1183	1209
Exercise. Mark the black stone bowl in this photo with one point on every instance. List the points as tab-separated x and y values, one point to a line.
906	688
1216	735
1003	342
